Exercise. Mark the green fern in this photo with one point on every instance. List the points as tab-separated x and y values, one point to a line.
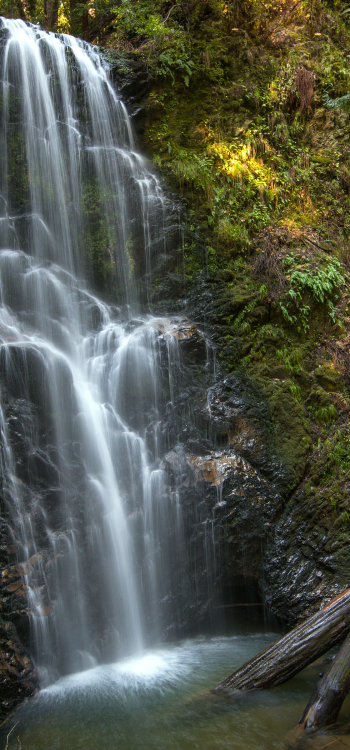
336	103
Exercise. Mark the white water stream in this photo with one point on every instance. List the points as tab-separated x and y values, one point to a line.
80	380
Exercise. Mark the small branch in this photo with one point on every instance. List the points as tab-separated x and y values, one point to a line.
7	739
287	13
312	242
293	8
168	14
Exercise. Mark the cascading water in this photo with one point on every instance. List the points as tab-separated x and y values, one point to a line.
128	524
100	450
82	383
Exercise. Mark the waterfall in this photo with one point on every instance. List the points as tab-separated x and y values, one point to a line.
83	382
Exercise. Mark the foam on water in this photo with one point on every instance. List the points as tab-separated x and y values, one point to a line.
161	700
151	670
158	669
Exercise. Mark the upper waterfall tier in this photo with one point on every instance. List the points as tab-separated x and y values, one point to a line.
73	190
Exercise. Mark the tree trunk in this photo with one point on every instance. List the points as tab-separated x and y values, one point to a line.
51	14
85	25
20	10
290	654
79	19
327	700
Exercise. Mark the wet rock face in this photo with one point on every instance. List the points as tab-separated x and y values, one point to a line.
267	405
18	676
35	473
239	421
134	83
308	560
228	510
304	557
218	465
228	481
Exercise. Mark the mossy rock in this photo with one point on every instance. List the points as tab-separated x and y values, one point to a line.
291	432
328	377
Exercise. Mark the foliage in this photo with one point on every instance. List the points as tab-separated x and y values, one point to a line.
291	359
246	310
319	283
326	415
162	42
336	450
295	392
342	101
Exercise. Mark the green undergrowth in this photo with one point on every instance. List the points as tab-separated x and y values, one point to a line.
258	145
249	119
255	136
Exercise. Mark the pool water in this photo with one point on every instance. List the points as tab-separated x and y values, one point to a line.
159	700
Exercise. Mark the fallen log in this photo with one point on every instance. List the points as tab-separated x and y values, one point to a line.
290	654
331	691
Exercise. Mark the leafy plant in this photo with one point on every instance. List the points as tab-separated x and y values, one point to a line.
338	103
175	60
337	450
319	282
246	310
326	415
295	392
160	40
291	359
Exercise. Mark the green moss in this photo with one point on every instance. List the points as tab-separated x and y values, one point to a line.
98	241
291	429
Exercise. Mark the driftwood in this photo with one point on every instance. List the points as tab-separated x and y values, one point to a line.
327	700
290	654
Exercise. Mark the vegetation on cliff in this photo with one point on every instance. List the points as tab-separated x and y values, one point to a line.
248	118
